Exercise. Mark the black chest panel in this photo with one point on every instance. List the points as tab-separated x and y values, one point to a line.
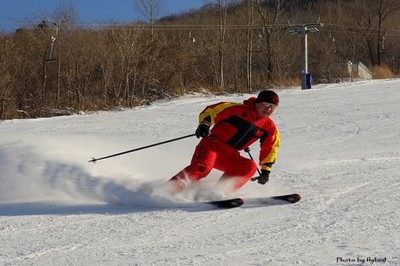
245	132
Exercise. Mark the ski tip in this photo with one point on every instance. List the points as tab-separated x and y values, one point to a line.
239	201
294	198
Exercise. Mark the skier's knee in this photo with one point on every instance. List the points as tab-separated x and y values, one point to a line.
198	171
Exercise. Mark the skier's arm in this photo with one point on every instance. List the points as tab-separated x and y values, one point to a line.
209	115
269	150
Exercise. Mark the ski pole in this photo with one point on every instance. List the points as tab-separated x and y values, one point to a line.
141	148
251	157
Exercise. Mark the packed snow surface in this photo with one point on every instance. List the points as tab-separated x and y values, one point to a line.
340	149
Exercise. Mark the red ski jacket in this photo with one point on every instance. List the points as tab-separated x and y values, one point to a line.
239	126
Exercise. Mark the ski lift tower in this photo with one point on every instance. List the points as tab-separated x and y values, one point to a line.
303	30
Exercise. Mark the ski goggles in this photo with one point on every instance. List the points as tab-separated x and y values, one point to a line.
270	105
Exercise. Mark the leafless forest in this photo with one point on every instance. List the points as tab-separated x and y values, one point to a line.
58	67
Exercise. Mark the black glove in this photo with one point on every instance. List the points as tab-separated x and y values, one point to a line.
202	130
263	177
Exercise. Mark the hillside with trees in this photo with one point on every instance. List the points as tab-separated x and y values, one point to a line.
58	67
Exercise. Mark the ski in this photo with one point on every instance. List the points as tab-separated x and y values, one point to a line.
227	203
291	198
138	198
274	200
249	202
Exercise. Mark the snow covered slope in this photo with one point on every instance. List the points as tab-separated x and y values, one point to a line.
340	150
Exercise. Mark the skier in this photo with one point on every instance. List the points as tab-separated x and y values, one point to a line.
234	127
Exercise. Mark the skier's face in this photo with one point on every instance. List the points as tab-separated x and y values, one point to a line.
265	109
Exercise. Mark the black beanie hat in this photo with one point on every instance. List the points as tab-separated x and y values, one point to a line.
268	96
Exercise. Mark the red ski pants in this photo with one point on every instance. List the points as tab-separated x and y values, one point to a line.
212	153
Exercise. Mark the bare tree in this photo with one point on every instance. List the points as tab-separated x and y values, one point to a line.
234	45
270	18
222	12
126	42
372	18
150	10
249	42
